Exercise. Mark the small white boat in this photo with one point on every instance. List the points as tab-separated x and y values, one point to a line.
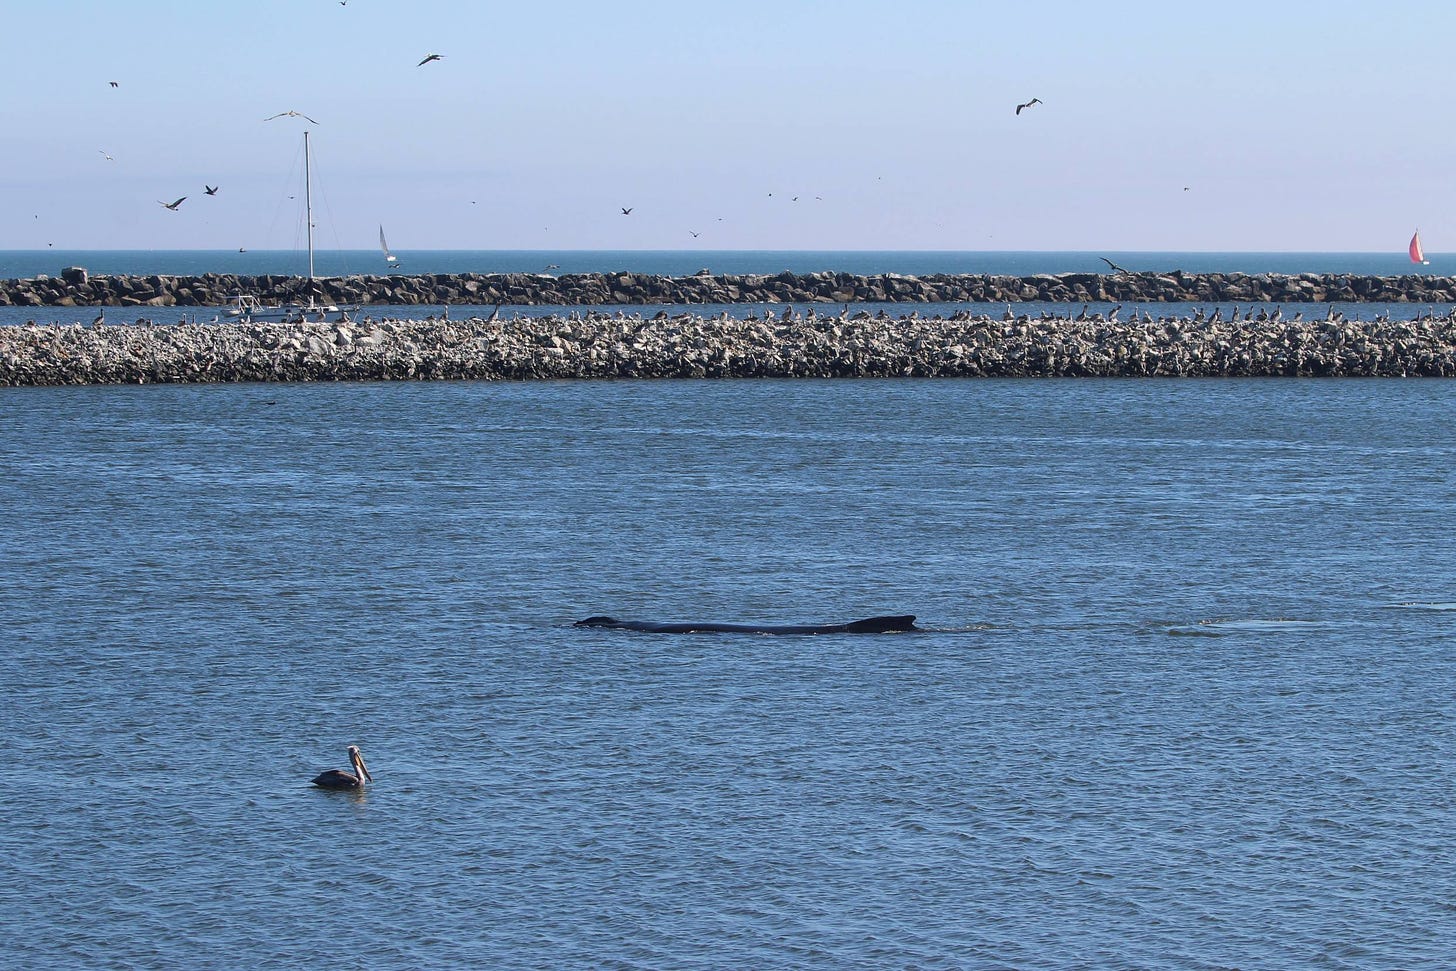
246	308
388	256
1418	255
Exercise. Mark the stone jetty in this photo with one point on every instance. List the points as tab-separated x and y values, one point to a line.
789	342
75	287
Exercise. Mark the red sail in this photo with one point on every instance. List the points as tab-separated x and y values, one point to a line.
1416	254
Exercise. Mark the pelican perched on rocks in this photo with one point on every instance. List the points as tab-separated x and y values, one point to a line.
340	779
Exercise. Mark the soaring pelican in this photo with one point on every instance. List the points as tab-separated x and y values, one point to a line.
290	114
339	779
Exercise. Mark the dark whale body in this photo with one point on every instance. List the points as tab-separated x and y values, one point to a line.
870	625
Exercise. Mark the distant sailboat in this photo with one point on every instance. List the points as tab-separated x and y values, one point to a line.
1417	254
249	308
388	256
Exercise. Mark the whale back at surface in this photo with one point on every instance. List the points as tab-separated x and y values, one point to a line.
869	625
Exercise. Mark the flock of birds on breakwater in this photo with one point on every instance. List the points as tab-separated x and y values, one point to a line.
585	344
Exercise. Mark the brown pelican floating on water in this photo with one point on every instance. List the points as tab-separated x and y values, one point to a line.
339	779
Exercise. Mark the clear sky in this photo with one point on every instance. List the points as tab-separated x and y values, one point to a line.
1293	126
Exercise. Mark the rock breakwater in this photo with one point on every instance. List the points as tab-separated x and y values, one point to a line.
787	344
77	288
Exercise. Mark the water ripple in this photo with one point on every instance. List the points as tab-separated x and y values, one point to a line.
1158	718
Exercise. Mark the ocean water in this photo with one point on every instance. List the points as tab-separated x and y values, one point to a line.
1183	698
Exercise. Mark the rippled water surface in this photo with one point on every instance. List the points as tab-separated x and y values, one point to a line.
1184	699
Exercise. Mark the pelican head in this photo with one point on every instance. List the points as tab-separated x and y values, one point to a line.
360	769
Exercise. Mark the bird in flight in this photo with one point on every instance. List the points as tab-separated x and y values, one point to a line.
429	58
1119	269
291	114
1033	101
108	157
114	84
171	205
210	190
695	235
628	212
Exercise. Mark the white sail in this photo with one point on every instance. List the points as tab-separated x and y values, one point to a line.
388	256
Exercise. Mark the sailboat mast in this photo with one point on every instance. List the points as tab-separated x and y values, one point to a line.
308	205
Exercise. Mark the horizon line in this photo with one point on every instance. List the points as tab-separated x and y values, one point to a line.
1210	252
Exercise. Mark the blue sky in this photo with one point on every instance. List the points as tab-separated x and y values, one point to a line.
1294	126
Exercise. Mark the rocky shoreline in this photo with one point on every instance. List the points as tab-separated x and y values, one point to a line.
789	343
77	288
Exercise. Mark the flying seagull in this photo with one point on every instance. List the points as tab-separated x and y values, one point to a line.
291	114
628	212
1033	101
108	157
1119	269
171	205
210	189
114	84
695	235
429	58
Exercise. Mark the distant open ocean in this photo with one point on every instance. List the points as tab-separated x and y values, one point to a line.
21	264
